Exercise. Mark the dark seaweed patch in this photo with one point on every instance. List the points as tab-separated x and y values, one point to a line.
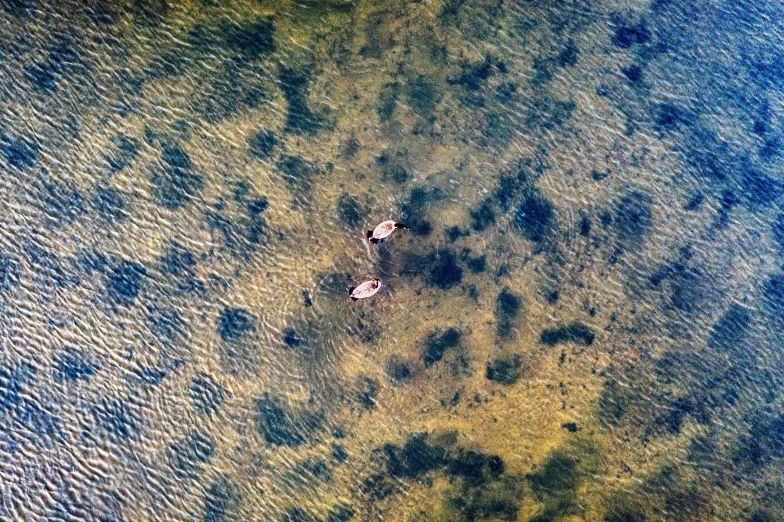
181	264
228	92
543	69
45	74
257	206
62	202
764	441
633	74
125	151
758	188
730	330
443	271
252	40
497	499
241	235
13	381
9	272
290	338
533	217
387	101
669	116
221	501
299	118
110	204
415	458
473	76
678	408
695	202
166	323
351	211
42	76
261	144
367	391
761	516
555	484
72	365
187	455
507	308
206	393
569	55
483	217
547	114
339	453
633	218
558	473
296	170
19	152
505	370
125	281
575	332
422	96
477	264
279	426
627	35
396	173
727	202
438	343
708	156
340	513
117	418
777	230
234	324
175	182
398	370
298	514
454	233
584	226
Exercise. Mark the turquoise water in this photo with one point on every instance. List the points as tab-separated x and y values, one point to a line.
581	323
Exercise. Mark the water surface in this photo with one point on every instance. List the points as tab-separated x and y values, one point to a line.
582	323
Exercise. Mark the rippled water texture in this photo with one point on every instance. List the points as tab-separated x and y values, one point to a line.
583	321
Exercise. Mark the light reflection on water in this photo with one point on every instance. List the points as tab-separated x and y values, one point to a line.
581	322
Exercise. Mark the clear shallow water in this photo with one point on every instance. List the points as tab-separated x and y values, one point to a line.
583	322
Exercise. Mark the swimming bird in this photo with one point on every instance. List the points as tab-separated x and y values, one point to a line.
364	290
383	230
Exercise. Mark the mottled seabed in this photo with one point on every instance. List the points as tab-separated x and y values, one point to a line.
584	321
